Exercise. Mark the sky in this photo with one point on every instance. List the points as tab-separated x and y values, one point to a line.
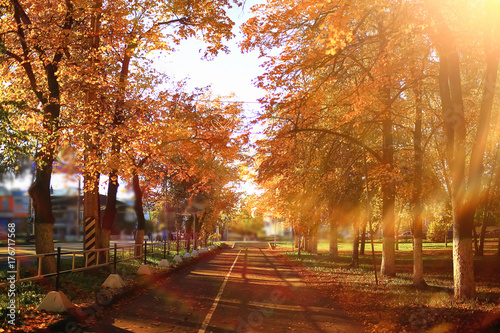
227	74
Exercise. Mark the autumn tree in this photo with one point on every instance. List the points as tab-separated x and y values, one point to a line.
359	72
115	69
35	44
344	75
146	32
465	182
186	142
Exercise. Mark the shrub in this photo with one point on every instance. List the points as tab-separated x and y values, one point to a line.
438	229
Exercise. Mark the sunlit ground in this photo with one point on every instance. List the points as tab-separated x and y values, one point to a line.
395	305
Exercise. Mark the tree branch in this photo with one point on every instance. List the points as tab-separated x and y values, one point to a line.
342	135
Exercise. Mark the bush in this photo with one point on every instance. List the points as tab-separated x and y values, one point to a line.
438	229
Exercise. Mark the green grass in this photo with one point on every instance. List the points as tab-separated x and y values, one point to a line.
403	246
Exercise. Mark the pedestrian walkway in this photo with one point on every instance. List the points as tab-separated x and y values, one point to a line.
243	289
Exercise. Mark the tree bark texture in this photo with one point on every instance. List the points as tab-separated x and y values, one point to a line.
109	214
334	235
139	212
418	265
453	114
388	266
355	245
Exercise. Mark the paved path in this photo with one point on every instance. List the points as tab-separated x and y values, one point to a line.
243	289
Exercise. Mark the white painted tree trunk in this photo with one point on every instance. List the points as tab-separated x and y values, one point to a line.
463	267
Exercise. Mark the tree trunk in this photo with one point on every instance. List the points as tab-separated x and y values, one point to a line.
476	167
388	198
451	92
334	235
396	233
188	241
493	183
139	212
195	232
463	261
480	249
314	241
308	242
299	238
362	243
418	265
388	266
44	218
110	211
368	221
355	245
139	241
303	241
40	189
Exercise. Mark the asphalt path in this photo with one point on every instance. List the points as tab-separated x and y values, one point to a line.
243	289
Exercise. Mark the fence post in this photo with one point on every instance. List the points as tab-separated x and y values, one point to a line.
145	251
168	248
58	267
114	264
164	249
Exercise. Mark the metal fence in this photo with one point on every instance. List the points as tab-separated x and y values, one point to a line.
120	254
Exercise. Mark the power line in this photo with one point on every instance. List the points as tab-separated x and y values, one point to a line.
218	101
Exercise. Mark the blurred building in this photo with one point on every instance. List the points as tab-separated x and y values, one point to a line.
14	207
67	208
276	226
69	225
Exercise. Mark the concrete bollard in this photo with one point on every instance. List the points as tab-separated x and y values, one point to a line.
145	270
164	263
113	281
55	301
178	259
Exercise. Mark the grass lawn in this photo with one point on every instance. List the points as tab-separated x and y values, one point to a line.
394	305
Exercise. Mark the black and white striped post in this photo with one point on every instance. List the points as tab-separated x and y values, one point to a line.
89	241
